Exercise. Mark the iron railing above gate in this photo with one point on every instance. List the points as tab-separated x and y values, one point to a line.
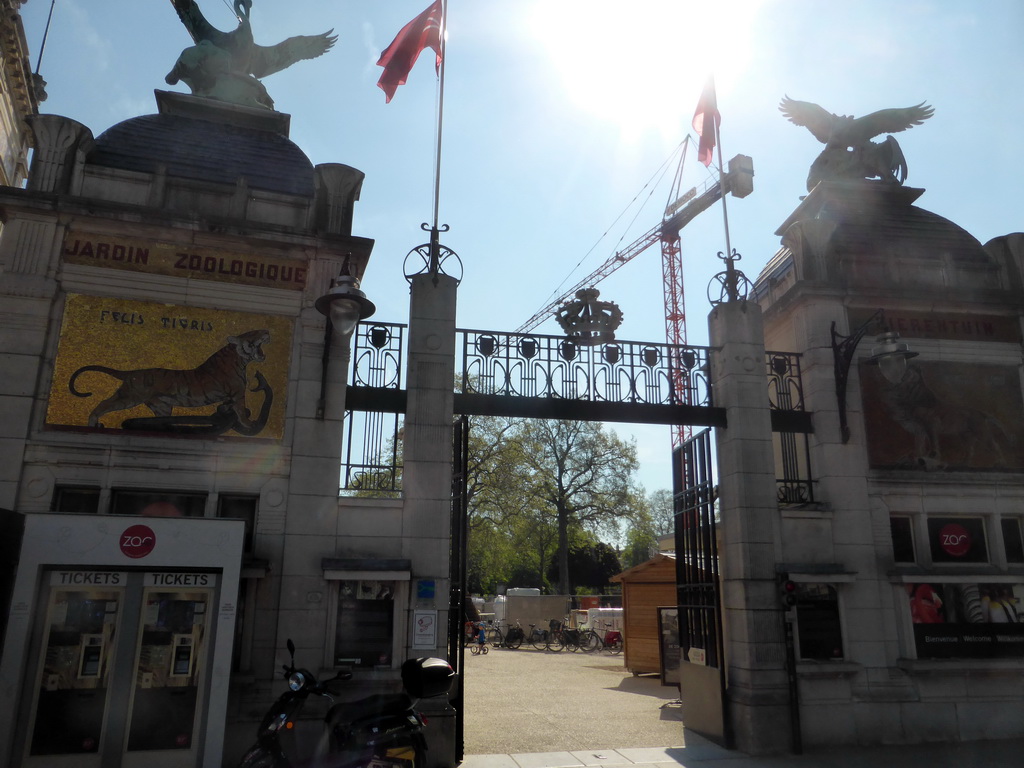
535	365
504	373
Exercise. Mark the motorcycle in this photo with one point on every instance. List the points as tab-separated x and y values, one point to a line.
379	731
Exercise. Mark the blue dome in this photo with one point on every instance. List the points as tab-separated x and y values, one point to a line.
205	150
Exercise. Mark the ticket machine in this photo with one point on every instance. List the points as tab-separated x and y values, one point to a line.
119	642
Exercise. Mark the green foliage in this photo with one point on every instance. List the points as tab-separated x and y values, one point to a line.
541	496
641	544
538	487
591	567
385	474
654	520
659	504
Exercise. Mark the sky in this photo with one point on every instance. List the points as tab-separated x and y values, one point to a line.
561	124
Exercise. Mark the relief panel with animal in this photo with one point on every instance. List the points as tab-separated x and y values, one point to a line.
159	368
945	416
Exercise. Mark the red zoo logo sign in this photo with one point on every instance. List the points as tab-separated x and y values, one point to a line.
955	540
137	541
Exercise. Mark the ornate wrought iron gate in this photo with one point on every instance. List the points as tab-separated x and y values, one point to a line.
457	575
702	665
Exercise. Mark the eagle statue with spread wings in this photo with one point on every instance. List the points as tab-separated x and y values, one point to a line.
227	65
849	152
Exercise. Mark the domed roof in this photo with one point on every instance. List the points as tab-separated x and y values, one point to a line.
906	232
870	235
206	150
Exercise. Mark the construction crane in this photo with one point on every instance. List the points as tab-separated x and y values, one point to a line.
680	211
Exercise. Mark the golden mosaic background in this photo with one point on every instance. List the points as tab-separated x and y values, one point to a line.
130	335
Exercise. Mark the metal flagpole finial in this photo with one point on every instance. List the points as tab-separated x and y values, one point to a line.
433	258
731	285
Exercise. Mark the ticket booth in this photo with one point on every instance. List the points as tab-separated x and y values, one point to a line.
118	646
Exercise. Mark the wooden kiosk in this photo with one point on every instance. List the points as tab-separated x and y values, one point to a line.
645	588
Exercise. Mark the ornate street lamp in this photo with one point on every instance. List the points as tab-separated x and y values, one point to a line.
890	355
343	305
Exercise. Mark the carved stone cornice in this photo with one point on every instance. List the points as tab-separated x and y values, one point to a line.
18	69
22	89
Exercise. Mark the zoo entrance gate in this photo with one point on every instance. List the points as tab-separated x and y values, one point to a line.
553	377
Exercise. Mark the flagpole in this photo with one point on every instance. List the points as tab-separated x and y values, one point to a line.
46	33
722	181
434	231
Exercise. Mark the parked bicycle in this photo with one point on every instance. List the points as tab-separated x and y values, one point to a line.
611	640
515	636
494	635
581	639
547	639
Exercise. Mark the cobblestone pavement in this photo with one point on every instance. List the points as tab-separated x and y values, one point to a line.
539	701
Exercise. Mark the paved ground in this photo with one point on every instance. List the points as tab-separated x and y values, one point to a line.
533	709
538	701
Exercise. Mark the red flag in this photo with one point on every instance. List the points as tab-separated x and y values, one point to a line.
706	121
398	58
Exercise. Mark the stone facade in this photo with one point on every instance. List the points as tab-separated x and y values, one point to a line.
912	542
151	246
20	94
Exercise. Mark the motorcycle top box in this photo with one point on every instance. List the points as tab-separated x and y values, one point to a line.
426	677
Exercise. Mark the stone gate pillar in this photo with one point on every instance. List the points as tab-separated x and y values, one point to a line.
757	688
427	455
427	476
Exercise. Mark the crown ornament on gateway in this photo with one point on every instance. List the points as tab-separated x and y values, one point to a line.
849	153
588	321
226	65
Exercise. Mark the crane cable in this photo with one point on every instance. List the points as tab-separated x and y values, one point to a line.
652	183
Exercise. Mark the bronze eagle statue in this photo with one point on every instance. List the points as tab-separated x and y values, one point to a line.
227	65
849	152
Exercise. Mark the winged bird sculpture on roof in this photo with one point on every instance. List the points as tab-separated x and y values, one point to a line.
849	152
227	65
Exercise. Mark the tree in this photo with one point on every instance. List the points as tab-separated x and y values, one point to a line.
652	522
510	541
577	475
490	489
591	566
662	512
535	488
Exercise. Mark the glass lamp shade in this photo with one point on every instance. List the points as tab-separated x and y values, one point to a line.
891	355
345	304
344	314
893	367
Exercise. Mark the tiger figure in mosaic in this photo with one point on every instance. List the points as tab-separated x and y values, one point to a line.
220	380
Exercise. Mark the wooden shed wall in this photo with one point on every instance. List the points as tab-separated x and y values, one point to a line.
641	601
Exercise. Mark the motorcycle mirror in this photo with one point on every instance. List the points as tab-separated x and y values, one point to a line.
291	650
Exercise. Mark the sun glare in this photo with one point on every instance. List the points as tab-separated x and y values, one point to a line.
641	65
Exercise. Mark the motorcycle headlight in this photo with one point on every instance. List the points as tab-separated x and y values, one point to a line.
296	681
